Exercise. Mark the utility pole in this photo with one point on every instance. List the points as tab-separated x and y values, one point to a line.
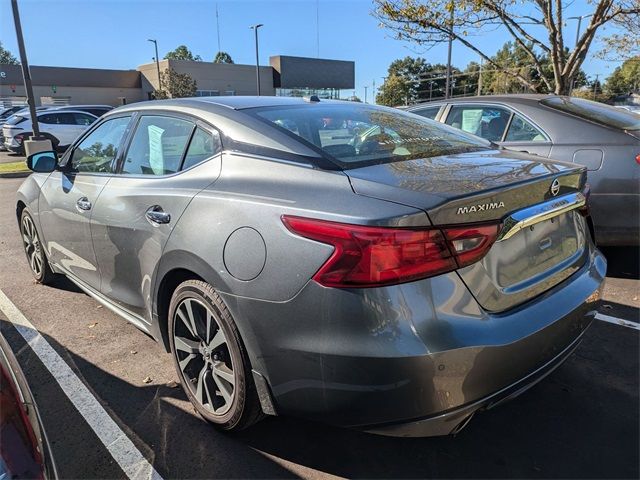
155	43
430	90
448	81
579	18
373	91
36	143
595	86
255	29
480	77
365	93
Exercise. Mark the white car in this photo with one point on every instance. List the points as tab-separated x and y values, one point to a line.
61	127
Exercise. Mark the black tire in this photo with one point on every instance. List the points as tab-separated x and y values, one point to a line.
200	375
36	256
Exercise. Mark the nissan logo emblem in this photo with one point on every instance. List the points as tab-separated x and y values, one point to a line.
555	187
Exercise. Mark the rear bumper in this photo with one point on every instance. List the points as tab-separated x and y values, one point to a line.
455	420
411	359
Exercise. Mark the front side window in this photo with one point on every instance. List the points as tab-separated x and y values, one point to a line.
522	131
99	149
355	135
157	146
487	122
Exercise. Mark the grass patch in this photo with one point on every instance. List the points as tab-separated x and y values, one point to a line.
14	167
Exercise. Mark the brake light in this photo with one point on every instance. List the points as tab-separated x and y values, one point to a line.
638	158
366	256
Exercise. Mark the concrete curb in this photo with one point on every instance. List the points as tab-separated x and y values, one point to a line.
15	174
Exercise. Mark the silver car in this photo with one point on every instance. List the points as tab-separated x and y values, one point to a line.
395	285
605	139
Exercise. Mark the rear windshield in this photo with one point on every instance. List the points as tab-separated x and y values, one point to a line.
596	112
354	135
15	120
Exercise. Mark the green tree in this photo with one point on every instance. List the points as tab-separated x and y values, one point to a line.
393	92
625	78
537	30
176	85
182	53
410	80
6	58
222	57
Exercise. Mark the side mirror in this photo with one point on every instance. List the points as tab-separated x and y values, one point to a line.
42	162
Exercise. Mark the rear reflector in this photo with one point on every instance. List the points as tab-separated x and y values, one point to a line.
366	256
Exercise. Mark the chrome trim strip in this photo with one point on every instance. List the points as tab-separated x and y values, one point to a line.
539	213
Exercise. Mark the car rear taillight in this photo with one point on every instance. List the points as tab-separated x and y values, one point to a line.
638	158
366	256
19	138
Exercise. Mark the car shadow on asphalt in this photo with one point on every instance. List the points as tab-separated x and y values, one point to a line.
580	422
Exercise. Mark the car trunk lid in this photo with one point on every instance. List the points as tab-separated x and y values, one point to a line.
537	202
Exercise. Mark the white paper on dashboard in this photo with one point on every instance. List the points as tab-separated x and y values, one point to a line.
156	157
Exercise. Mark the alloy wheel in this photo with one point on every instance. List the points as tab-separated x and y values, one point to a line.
203	356
32	245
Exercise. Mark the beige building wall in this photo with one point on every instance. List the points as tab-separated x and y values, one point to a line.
77	95
222	77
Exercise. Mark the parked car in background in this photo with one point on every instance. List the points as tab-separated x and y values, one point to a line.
24	448
97	110
396	285
61	127
5	113
604	139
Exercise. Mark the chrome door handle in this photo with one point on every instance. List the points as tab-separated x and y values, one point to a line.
83	204
156	215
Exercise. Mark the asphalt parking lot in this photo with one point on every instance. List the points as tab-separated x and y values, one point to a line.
580	422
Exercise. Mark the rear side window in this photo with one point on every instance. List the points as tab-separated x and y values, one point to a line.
203	145
99	149
98	112
157	146
488	122
595	112
429	112
83	118
522	131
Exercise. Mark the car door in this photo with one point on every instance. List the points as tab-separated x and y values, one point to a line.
69	194
500	124
138	210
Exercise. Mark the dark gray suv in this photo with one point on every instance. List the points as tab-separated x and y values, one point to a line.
341	262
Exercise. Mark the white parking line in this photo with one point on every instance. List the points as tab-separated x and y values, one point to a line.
122	449
617	321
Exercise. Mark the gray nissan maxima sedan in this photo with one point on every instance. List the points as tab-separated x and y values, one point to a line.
396	285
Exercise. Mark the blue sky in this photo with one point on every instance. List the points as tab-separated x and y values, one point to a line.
114	33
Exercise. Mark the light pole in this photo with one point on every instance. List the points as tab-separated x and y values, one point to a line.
579	18
155	43
448	80
365	93
26	74
255	29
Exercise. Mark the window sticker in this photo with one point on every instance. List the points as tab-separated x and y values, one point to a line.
471	120
156	156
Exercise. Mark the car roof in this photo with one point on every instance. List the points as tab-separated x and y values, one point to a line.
231	102
49	111
520	98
